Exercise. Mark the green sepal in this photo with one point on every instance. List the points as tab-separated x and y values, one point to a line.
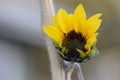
60	52
94	52
56	45
82	54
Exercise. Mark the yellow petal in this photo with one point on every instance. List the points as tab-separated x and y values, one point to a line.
93	23
87	47
94	17
62	18
92	39
80	13
76	25
90	42
55	21
53	33
70	22
56	24
93	27
80	17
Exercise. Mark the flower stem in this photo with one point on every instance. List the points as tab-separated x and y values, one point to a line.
80	75
69	70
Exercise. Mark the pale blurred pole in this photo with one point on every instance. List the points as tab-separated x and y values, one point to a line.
60	69
56	63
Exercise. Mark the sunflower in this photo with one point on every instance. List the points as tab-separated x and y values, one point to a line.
74	35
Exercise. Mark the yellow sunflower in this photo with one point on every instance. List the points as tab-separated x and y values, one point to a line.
74	35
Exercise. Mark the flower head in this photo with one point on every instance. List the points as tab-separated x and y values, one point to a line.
74	35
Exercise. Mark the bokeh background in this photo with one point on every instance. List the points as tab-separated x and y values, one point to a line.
23	54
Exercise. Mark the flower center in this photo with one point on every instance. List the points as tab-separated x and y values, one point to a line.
73	41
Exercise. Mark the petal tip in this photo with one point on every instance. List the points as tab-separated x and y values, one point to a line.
99	14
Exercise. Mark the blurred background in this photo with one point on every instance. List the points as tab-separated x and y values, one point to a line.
23	54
